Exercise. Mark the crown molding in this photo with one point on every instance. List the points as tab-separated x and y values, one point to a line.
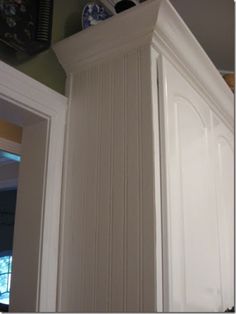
154	22
173	38
108	37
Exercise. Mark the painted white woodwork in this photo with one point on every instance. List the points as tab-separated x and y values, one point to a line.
109	213
32	105
153	22
193	256
224	178
141	218
27	230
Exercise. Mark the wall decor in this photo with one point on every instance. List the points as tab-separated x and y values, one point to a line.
93	13
25	25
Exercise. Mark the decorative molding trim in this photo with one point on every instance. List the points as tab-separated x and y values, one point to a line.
156	22
174	39
108	37
10	146
34	98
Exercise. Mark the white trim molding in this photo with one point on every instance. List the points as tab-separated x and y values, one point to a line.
153	22
117	95
37	100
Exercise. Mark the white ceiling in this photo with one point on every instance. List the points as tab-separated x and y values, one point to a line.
212	23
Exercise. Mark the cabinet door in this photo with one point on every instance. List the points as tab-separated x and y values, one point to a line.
193	264
224	177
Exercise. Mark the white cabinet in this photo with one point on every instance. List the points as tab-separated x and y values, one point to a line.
147	221
224	179
193	248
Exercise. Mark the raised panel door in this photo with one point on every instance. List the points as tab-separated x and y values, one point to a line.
191	218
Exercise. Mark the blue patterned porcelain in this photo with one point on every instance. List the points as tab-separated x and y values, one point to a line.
93	13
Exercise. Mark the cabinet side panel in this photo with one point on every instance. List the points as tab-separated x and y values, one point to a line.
108	247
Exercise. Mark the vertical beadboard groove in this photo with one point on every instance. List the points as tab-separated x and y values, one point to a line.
125	188
140	185
89	197
118	189
138	171
87	193
80	179
83	208
101	83
110	203
111	190
108	191
108	148
98	154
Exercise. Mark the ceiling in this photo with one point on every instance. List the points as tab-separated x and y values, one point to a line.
212	23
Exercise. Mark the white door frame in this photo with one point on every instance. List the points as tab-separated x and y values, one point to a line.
27	95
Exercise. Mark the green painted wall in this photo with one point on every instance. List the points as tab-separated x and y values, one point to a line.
44	67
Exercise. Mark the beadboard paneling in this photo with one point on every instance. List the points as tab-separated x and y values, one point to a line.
108	250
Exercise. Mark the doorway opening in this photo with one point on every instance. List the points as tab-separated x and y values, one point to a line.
41	113
10	139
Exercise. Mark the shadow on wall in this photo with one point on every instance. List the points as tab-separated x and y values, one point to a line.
71	24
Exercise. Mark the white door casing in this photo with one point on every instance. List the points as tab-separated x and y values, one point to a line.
41	112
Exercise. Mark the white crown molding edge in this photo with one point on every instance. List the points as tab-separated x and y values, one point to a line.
10	146
108	37
32	96
153	22
173	37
